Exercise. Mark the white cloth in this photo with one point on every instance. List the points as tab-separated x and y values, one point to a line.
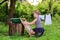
48	20
42	17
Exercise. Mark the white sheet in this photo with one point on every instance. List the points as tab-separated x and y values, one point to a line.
48	20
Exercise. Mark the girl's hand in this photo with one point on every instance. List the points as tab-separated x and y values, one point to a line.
25	23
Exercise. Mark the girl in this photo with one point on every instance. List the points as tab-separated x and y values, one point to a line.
38	30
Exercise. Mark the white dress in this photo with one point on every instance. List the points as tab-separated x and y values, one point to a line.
48	20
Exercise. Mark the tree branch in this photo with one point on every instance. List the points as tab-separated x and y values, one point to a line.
3	2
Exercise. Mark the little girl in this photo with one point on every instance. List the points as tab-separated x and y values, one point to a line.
38	30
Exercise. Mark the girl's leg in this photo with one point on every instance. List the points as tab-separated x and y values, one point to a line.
29	30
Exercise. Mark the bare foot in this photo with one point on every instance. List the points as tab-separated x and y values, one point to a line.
32	32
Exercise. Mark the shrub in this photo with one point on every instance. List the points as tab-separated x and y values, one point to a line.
56	8
3	12
24	10
56	18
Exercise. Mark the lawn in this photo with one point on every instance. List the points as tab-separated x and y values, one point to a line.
52	32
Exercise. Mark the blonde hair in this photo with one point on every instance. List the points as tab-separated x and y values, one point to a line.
36	11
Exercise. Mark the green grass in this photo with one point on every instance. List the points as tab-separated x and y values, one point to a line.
52	32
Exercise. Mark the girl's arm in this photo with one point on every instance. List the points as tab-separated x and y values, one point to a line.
33	22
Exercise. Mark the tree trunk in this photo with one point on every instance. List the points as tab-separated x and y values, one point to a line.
11	10
10	15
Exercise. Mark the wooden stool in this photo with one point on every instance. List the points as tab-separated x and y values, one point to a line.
16	26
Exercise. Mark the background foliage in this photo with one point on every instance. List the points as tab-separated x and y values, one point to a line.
3	12
25	10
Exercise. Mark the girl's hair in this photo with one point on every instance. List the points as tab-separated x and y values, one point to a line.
36	11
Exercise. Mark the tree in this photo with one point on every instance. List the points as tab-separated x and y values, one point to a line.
10	15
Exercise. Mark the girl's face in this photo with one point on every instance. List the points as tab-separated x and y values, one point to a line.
35	15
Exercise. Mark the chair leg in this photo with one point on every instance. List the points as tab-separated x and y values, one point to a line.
20	29
11	29
22	33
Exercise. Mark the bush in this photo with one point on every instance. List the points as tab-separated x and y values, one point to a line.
24	10
3	12
56	18
43	7
56	8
